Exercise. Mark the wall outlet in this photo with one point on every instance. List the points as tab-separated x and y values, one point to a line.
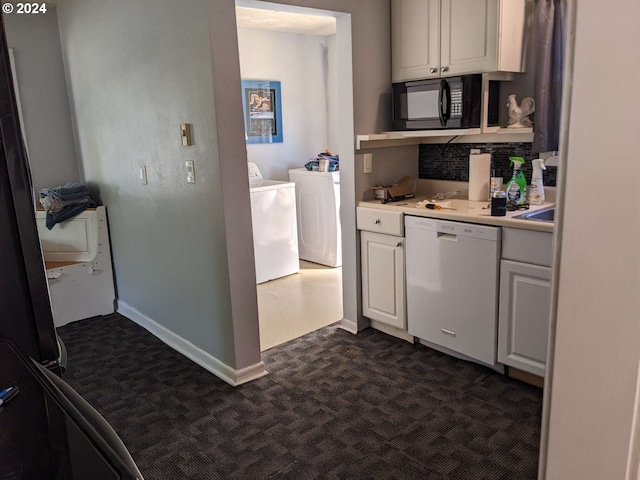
142	174
367	164
191	173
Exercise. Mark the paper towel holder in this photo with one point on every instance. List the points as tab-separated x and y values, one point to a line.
479	175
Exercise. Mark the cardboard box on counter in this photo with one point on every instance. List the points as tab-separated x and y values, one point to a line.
404	188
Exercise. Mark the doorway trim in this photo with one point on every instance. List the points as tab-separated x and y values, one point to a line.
557	237
346	139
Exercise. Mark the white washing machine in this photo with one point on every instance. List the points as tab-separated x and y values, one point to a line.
318	207
275	232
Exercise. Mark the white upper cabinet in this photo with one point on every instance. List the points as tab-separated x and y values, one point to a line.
415	39
468	36
440	38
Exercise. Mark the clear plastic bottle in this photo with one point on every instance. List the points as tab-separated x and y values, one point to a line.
495	183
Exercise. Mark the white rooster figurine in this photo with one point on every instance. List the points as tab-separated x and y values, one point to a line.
519	114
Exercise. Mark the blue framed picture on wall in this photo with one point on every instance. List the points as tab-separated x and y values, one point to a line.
262	108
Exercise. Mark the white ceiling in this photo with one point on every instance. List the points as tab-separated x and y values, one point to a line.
285	21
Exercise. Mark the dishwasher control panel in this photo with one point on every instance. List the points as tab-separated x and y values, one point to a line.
454	228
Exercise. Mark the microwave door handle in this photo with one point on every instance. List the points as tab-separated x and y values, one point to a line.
445	103
393	106
448	112
441	104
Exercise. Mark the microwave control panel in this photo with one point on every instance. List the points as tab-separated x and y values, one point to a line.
456	102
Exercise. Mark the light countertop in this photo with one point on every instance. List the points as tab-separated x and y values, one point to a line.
466	211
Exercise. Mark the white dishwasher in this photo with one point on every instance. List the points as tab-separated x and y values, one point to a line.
452	285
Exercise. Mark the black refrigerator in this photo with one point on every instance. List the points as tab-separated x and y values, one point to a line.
25	311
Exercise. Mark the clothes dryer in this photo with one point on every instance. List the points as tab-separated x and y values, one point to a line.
318	213
275	237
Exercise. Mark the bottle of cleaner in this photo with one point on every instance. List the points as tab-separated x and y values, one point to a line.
536	189
517	186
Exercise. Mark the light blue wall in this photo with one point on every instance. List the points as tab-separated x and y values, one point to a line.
35	41
136	71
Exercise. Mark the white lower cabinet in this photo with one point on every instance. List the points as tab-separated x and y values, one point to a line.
383	279
446	292
524	315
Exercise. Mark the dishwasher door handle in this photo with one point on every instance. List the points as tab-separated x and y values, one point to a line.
448	236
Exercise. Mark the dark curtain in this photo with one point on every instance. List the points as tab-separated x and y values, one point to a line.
549	46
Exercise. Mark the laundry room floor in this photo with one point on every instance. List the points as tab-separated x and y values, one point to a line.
298	304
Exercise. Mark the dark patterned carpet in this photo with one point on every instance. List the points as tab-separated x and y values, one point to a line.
334	405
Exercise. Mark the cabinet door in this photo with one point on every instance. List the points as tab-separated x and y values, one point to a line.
383	290
469	36
525	291
415	39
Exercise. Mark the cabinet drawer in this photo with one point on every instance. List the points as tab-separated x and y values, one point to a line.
527	246
380	221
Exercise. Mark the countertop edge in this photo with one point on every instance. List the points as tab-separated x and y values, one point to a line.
471	212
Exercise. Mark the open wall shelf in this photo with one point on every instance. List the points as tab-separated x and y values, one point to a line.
469	135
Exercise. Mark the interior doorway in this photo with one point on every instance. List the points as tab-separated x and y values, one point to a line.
297	48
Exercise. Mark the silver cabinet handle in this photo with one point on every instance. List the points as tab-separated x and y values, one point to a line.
448	332
376	221
433	70
398	244
444	69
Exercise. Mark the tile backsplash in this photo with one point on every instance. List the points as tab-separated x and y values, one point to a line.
451	161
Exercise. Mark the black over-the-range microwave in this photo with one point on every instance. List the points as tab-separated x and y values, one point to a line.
442	103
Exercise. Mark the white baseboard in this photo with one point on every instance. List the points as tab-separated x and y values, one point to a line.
205	360
250	373
349	325
394	332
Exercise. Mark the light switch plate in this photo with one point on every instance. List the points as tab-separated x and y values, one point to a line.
367	164
191	173
185	134
142	174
